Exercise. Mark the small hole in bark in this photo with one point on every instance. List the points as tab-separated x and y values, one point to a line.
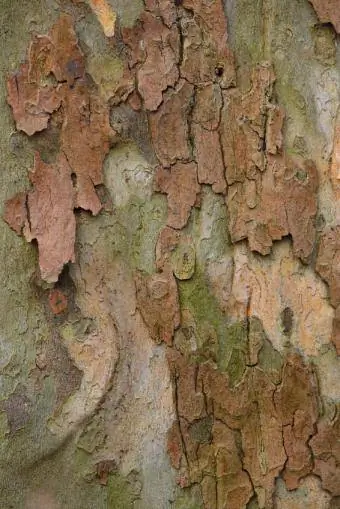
74	179
301	175
320	222
287	317
178	2
219	70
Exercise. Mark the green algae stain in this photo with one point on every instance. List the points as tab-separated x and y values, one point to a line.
138	215
209	334
208	227
4	427
270	360
183	261
120	495
145	234
190	498
107	72
233	351
128	11
246	30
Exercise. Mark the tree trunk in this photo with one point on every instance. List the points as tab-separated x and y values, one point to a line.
170	277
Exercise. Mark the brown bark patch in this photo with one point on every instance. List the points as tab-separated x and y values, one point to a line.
57	301
154	44
86	136
162	53
158	303
234	440
31	104
328	266
297	405
181	187
51	219
326	449
169	126
31	93
65	59
269	195
206	55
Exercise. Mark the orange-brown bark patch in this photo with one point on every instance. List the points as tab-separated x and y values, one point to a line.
208	154
85	139
269	195
242	437
165	9
65	59
328	262
181	186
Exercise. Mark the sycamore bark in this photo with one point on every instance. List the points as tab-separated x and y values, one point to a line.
170	296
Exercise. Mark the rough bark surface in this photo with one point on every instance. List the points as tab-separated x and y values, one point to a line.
172	340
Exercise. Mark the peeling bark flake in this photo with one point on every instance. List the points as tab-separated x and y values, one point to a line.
51	218
15	213
328	11
86	137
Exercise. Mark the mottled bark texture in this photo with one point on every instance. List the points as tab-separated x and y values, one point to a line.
171	338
